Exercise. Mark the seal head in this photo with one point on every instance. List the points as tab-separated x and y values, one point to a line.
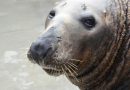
85	42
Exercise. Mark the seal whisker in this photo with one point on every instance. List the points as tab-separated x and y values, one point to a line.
56	71
73	65
68	70
67	74
72	69
71	72
76	60
64	71
51	70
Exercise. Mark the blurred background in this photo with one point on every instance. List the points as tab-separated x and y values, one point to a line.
21	21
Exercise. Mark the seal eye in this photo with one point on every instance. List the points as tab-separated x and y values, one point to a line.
51	14
89	22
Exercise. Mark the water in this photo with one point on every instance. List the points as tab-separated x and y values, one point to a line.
21	21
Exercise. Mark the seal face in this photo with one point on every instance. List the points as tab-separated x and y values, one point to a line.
69	35
80	41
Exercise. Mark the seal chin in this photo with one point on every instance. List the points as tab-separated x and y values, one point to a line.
49	68
53	72
53	68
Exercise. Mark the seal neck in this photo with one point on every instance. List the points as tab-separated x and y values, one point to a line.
109	73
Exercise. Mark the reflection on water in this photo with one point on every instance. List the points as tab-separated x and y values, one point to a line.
21	21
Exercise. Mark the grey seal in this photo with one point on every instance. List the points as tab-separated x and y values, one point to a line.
89	42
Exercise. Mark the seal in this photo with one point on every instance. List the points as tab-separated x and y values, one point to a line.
89	42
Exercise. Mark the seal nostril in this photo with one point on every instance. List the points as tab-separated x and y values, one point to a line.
37	47
40	50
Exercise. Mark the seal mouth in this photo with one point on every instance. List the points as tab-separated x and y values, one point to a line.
55	63
48	64
53	71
